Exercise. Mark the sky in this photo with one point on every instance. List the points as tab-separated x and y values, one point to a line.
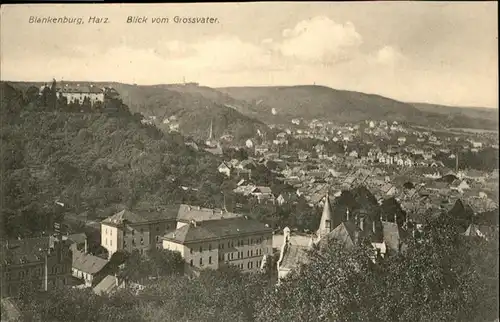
442	53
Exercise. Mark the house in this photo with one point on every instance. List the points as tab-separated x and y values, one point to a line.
80	93
474	175
225	169
460	185
476	145
353	154
262	193
402	140
238	241
108	285
88	267
136	230
43	260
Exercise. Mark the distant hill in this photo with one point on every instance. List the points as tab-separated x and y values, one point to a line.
323	102
240	111
310	102
481	117
191	107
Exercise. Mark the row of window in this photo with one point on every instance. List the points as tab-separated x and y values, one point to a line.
250	265
230	244
201	261
239	255
133	242
56	269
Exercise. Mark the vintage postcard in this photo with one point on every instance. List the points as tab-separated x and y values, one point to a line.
256	161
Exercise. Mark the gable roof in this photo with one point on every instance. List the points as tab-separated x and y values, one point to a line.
345	234
216	229
88	263
106	286
187	213
393	235
139	217
294	256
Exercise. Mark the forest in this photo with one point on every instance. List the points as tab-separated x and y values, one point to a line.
92	163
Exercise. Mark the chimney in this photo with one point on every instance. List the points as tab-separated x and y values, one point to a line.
374	227
347	214
395	218
85	249
116	281
362	223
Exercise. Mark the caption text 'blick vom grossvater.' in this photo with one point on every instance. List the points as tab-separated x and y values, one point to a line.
129	19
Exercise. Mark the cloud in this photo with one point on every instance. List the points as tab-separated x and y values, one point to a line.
389	55
320	40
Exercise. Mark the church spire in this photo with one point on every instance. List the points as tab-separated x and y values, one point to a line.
326	224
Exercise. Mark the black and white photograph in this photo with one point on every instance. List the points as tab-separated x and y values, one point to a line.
253	161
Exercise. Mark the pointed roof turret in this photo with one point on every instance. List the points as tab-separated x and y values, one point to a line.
326	223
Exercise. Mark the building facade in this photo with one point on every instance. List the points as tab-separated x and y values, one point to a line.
44	262
219	241
79	93
129	231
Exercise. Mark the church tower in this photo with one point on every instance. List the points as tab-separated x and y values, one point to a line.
326	224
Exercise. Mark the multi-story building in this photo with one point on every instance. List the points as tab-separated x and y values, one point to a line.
43	262
79	93
138	230
219	238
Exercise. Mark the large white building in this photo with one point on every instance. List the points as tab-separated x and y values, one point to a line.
212	238
79	93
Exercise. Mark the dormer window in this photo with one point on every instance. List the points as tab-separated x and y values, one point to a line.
327	224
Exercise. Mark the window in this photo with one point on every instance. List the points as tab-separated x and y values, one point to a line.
142	241
201	249
232	256
242	243
209	247
106	231
248	265
191	262
251	265
21	274
201	261
248	253
327	223
251	253
222	246
251	241
238	255
190	250
210	260
110	242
